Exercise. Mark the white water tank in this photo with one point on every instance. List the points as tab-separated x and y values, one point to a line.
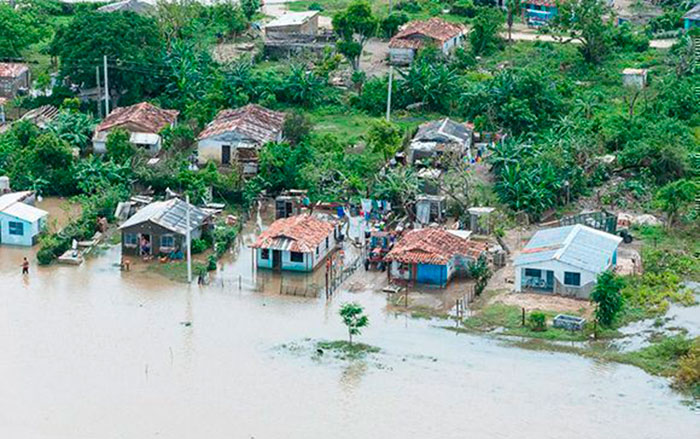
4	184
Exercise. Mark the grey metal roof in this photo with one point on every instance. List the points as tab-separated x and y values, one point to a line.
171	214
579	246
444	130
136	6
694	13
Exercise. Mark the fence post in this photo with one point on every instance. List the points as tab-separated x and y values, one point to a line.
239	282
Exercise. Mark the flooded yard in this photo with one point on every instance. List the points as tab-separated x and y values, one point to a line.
93	352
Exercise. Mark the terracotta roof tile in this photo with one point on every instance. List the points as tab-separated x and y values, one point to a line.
433	246
12	69
256	122
301	233
147	116
433	28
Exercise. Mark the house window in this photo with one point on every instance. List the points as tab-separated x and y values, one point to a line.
296	257
16	228
318	249
167	241
327	241
572	279
265	253
131	239
532	272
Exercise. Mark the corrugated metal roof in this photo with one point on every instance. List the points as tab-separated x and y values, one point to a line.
171	214
694	13
301	233
7	200
25	212
292	19
579	246
442	131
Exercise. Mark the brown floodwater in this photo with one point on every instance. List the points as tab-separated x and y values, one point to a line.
92	352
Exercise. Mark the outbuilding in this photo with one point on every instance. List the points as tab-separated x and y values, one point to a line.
692	18
297	243
143	121
20	222
565	260
636	78
160	228
432	256
417	34
293	23
236	136
13	78
437	140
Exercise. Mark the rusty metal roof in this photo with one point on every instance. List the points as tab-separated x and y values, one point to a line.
252	121
301	233
435	246
148	117
12	69
434	28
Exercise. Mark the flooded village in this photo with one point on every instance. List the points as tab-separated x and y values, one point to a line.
349	219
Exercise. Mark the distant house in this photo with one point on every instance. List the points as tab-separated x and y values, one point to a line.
135	6
418	34
236	136
161	228
297	243
565	260
432	256
538	12
41	116
634	77
143	121
293	23
20	222
440	138
13	77
692	18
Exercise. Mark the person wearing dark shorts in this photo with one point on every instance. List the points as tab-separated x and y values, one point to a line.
25	266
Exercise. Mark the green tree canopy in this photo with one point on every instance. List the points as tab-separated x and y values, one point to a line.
354	27
354	318
583	21
608	297
19	28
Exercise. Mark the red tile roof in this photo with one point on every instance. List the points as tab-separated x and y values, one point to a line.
253	121
301	233
433	246
148	117
433	28
12	69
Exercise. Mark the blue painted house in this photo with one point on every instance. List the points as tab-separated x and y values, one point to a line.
20	222
538	12
692	18
297	243
431	256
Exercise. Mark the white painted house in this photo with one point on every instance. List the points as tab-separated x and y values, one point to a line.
417	34
20	222
236	136
565	260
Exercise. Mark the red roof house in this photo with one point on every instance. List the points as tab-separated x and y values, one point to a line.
13	76
297	243
144	122
432	256
418	34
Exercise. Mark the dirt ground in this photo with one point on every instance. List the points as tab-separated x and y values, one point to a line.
374	57
544	302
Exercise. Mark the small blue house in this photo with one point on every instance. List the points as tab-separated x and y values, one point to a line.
432	256
20	222
692	18
538	12
297	243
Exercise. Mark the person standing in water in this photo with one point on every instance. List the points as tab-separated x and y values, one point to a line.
25	266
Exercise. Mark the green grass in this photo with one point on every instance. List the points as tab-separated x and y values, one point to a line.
174	270
379	7
344	350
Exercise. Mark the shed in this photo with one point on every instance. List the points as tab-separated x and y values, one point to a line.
41	116
20	222
420	33
143	121
236	136
432	256
13	78
634	77
431	208
480	221
565	260
160	228
293	23
297	243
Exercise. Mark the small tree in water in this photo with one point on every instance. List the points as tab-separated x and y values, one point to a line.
608	297
354	318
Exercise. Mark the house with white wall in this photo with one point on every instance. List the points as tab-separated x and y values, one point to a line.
565	260
417	34
20	222
297	243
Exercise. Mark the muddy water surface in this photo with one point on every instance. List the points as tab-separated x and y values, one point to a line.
92	352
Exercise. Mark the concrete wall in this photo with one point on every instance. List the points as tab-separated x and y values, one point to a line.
10	86
588	278
100	147
30	230
401	56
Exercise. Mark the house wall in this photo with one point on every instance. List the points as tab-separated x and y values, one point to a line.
635	80
690	23
10	85
433	274
155	231
311	260
28	238
401	56
310	27
209	149
588	278
449	45
100	147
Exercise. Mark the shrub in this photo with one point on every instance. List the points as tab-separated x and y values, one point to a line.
538	321
199	245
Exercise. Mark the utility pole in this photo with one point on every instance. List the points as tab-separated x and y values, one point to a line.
187	238
97	77
388	94
104	59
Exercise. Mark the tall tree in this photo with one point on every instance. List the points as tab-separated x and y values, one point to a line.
583	21
250	7
485	34
512	10
608	297
674	197
354	27
18	30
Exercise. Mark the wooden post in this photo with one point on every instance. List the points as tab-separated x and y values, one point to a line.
523	319
239	282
